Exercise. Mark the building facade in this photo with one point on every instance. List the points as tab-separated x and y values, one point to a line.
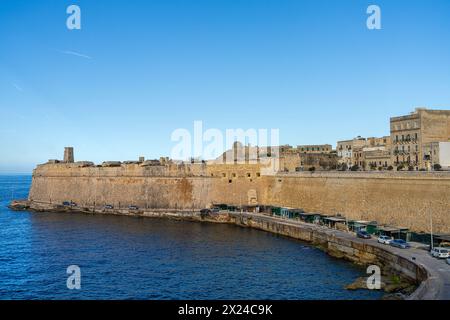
410	133
377	153
436	153
307	157
349	152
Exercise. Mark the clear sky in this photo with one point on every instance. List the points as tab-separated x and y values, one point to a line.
138	70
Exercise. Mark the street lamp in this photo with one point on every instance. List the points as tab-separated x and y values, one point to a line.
431	231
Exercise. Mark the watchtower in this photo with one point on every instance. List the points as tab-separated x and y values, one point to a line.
68	155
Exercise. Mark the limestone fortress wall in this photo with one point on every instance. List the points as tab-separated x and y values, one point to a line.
397	198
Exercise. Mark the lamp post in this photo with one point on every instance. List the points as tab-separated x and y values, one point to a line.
431	230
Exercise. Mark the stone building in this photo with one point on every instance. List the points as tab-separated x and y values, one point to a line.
307	157
377	153
246	154
377	157
410	133
436	153
311	148
349	152
322	148
365	153
379	142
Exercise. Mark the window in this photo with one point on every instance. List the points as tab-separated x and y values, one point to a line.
229	181
234	175
258	174
249	175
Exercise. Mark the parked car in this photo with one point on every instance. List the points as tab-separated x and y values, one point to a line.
384	239
133	207
363	235
400	243
448	260
69	204
205	212
109	206
440	253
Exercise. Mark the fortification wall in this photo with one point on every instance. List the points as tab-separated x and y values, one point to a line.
171	187
401	199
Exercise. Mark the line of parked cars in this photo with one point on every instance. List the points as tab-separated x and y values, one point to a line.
437	252
398	243
441	253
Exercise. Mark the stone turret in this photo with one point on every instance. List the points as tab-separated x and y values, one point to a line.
68	155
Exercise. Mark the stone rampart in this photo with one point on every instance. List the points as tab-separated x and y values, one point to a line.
396	198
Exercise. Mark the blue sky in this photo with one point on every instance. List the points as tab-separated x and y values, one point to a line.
145	68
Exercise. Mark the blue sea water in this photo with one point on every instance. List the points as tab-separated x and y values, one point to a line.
143	258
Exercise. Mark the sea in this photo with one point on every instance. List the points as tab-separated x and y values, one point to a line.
73	256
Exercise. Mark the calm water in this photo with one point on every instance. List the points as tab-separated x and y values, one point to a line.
136	258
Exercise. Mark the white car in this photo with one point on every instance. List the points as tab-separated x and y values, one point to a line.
384	239
440	253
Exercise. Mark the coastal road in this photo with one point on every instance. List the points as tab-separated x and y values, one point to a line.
438	284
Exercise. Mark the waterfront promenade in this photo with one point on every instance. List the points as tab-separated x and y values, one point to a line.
435	287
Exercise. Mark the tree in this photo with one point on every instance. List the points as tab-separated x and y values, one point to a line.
355	168
312	169
400	167
390	168
437	167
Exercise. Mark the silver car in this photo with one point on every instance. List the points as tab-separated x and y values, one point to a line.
440	253
384	239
